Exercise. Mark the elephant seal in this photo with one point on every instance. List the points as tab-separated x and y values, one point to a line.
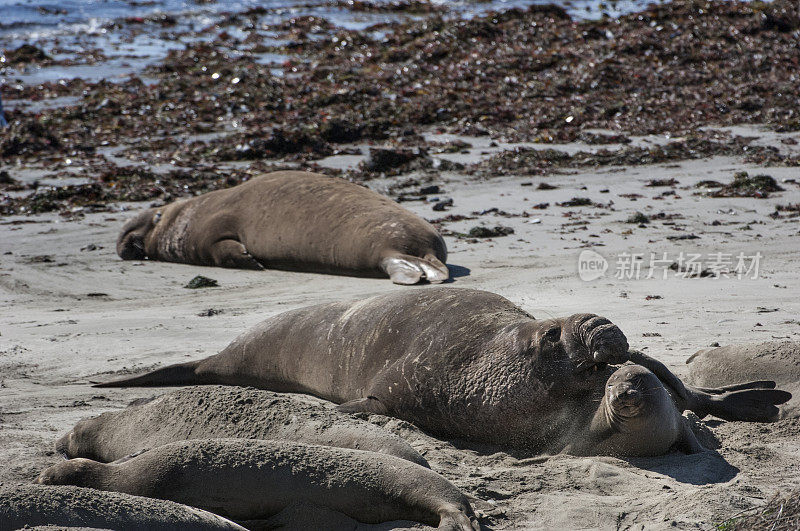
67	506
217	412
637	417
732	364
291	220
244	479
456	362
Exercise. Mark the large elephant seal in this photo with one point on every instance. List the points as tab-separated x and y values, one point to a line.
637	416
291	220
455	362
732	364
217	412
246	479
67	506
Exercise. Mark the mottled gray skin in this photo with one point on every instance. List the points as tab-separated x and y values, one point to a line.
291	220
216	412
456	362
73	507
637	416
246	480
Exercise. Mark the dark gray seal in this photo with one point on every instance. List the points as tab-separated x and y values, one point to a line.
292	220
37	505
217	412
456	362
246	480
637	416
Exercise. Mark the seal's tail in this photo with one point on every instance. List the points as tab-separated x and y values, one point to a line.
407	269
179	374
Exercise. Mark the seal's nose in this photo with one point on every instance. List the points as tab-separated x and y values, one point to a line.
627	396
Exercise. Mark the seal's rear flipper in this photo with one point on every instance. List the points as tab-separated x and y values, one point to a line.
180	374
364	405
406	269
759	384
750	405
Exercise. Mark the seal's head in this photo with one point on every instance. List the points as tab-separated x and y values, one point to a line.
629	389
78	472
79	441
130	244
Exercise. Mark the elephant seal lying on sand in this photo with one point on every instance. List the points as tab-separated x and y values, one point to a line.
217	412
37	505
246	479
729	365
455	362
291	220
636	417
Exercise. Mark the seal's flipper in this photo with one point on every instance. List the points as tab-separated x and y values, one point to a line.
458	520
232	254
364	405
180	374
406	269
759	384
750	405
687	441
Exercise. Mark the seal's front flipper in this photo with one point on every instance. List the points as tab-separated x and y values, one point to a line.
232	254
458	520
406	269
364	405
749	405
687	441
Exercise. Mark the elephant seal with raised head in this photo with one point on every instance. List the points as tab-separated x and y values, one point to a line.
292	220
456	362
244	479
637	416
218	412
74	507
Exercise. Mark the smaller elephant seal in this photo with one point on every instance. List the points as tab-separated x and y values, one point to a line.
637	417
245	479
219	412
291	220
729	365
67	506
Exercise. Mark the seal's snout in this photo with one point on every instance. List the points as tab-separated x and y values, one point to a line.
131	247
626	399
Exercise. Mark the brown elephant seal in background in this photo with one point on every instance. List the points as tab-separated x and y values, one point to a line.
637	416
729	365
67	506
291	220
244	479
456	362
217	412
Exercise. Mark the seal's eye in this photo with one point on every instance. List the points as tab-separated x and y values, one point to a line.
157	218
553	334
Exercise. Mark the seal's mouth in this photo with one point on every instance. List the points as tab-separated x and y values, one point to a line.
627	401
587	366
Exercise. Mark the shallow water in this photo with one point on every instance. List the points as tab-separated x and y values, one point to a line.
79	25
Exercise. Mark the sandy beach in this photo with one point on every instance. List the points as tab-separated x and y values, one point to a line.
73	313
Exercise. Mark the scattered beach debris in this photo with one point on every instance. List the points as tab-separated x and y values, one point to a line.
743	185
490	232
200	281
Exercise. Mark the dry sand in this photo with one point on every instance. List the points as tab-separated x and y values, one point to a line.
86	316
